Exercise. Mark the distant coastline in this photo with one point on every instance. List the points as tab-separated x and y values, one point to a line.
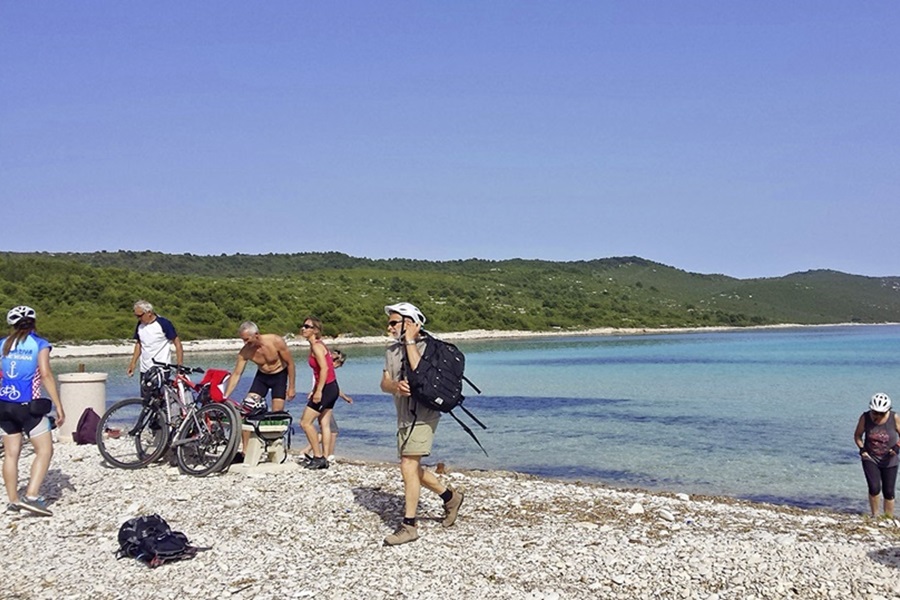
126	347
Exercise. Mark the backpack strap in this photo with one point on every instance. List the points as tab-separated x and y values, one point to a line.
474	387
469	430
471	416
404	368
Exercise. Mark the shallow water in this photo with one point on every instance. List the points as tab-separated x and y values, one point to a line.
760	414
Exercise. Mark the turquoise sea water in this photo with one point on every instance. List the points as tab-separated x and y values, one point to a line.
760	414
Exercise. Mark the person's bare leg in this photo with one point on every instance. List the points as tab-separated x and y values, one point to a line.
307	423
330	441
43	452
429	480
12	448
325	429
873	505
410	468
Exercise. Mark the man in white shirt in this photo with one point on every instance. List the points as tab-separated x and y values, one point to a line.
152	339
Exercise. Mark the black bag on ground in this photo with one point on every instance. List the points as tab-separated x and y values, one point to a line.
86	430
437	381
150	540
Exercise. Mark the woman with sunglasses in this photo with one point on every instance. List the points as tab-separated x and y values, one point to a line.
26	369
338	358
877	436
323	396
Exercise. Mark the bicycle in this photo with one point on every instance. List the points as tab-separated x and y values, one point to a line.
174	413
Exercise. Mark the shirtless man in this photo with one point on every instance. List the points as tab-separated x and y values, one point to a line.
275	370
275	364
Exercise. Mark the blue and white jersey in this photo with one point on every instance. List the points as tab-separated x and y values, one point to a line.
154	338
21	377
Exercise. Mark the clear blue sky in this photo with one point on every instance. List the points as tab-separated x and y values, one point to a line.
751	138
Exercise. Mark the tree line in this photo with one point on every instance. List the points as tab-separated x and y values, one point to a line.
86	297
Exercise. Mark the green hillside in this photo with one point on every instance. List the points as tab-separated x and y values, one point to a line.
88	296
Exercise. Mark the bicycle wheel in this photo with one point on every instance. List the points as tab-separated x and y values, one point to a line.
205	442
131	434
235	436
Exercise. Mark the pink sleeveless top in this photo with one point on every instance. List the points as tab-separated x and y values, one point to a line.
314	365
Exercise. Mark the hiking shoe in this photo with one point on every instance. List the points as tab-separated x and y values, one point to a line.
316	463
404	534
12	508
238	458
304	459
451	508
36	505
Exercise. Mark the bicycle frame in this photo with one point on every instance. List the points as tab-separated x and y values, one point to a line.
178	393
183	392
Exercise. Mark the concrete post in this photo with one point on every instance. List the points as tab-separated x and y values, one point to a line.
77	392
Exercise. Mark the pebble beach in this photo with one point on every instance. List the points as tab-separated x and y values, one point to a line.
318	534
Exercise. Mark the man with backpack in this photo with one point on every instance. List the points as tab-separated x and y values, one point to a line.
416	423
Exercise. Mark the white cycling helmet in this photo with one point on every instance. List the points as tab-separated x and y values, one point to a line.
18	313
880	403
406	309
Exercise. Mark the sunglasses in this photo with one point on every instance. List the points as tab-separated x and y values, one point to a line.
307	326
394	323
138	316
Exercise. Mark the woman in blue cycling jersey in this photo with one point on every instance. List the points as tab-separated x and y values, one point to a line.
26	368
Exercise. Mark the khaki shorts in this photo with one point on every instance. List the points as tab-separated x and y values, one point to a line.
419	442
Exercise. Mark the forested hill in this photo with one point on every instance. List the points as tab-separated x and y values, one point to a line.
89	296
277	265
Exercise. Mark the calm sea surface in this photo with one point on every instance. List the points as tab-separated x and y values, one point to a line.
763	414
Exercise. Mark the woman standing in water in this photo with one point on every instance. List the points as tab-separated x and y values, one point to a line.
877	436
323	396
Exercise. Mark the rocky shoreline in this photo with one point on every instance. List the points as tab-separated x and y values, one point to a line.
126	347
305	534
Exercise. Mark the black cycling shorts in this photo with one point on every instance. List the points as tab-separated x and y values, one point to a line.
17	418
330	393
276	382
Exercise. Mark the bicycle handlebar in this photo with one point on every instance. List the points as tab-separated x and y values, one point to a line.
178	368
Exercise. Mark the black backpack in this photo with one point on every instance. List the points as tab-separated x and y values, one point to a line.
437	381
150	540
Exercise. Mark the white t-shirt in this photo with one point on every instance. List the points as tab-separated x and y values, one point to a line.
155	338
